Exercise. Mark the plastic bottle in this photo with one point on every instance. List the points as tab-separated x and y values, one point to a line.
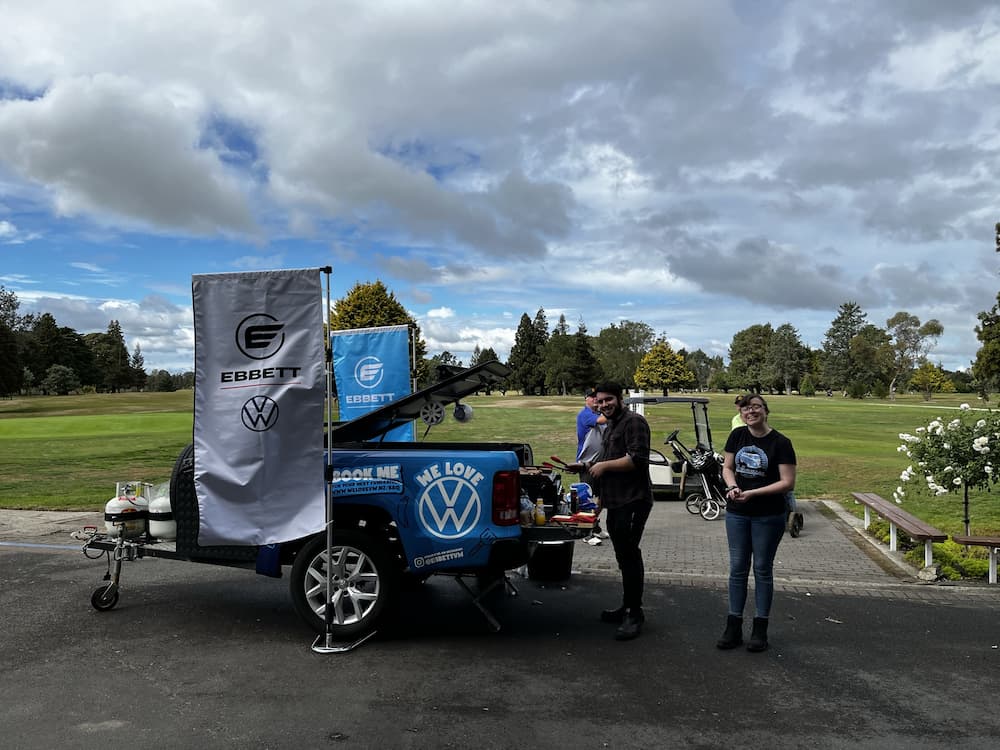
539	512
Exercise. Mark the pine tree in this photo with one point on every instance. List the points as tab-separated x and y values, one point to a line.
838	366
662	368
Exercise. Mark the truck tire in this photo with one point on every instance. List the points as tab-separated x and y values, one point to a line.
365	583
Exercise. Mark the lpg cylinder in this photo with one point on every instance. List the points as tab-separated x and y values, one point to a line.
161	518
128	511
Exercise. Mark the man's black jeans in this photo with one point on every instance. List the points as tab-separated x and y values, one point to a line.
625	525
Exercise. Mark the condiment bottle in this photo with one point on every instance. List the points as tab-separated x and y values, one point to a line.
539	512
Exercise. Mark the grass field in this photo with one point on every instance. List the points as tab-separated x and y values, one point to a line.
67	452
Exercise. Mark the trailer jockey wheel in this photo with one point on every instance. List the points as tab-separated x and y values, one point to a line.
105	598
432	413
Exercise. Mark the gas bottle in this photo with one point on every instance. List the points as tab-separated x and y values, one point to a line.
128	511
161	518
539	512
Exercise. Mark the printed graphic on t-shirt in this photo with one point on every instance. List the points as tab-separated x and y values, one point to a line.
751	461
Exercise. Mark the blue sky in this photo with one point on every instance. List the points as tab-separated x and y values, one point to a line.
698	165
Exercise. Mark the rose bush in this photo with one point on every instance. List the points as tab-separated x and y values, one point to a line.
952	455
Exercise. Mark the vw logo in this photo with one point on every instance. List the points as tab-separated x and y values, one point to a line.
368	372
259	413
260	336
449	508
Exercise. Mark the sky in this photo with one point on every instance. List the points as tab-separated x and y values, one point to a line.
697	165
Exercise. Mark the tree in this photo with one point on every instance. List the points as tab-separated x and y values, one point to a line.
703	367
838	366
60	380
11	370
786	358
747	356
986	368
871	353
137	366
9	305
931	379
662	368
619	349
558	358
111	357
585	366
161	381
911	342
370	305
479	356
527	355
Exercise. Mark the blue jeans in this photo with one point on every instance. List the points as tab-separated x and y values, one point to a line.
755	537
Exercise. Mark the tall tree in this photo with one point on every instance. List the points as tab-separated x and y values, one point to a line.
786	358
558	358
619	349
663	369
911	342
986	368
838	366
585	366
747	355
9	305
137	365
872	355
703	366
11	370
111	357
370	305
526	359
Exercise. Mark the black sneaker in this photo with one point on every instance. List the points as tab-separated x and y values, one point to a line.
613	615
631	625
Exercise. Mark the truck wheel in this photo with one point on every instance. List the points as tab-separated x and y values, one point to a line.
693	503
364	583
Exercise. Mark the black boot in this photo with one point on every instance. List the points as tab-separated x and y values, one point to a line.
613	615
631	624
733	636
758	637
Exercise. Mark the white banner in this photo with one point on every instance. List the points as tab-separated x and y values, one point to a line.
258	406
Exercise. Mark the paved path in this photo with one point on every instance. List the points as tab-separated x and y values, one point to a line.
832	554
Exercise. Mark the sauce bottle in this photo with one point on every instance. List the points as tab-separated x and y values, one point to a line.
539	512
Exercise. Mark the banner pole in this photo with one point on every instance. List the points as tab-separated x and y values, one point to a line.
328	645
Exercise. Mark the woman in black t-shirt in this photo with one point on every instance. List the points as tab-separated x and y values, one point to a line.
759	470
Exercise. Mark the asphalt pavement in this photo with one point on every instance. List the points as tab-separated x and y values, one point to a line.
863	654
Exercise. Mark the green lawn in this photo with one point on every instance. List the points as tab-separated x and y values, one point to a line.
67	452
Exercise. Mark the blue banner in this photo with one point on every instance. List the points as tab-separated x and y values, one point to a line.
372	368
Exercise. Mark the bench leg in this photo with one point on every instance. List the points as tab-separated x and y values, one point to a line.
868	516
928	553
993	564
892	537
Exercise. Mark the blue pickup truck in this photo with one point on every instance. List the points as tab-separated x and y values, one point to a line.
398	510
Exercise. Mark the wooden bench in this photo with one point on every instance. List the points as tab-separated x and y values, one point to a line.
992	542
898	518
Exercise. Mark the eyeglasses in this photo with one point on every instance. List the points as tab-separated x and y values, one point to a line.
752	407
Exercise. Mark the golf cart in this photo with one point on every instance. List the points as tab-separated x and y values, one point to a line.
667	474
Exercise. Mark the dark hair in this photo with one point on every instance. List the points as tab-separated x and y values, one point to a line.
746	400
610	387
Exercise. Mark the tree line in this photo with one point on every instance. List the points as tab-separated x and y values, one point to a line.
857	358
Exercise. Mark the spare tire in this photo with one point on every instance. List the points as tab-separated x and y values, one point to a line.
184	506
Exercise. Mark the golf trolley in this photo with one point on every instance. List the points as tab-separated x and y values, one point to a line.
702	474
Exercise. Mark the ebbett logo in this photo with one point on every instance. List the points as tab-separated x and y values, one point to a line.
260	336
368	372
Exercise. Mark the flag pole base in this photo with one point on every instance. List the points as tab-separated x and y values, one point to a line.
325	644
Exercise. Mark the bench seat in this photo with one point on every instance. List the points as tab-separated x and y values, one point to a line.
898	518
991	542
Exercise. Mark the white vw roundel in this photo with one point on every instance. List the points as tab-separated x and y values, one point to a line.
449	507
